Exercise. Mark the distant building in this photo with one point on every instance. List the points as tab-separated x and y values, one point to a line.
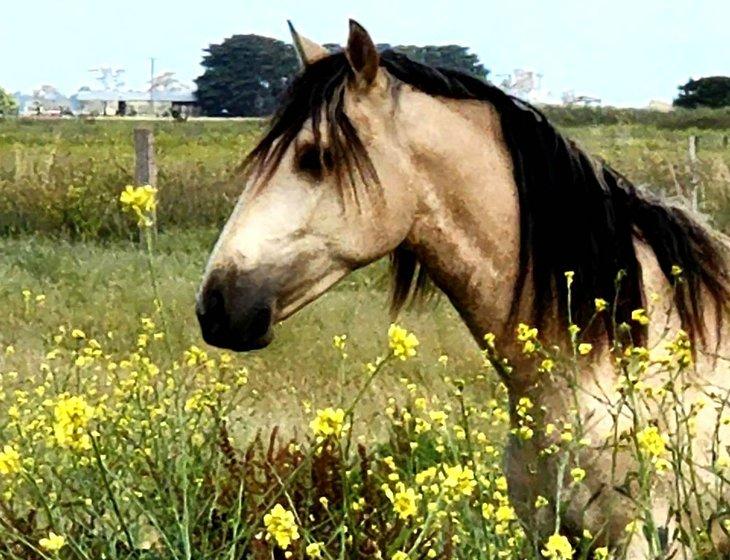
571	99
127	103
661	106
46	100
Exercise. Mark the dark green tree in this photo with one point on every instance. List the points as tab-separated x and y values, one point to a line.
8	105
713	91
245	75
447	56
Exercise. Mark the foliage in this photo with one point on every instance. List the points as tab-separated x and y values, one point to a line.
121	441
60	178
447	56
245	75
678	119
713	91
130	452
455	57
8	105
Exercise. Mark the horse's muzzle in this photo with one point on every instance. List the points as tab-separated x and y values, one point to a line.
234	313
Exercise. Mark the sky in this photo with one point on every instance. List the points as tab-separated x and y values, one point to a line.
626	52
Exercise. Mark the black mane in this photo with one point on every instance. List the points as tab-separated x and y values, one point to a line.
576	214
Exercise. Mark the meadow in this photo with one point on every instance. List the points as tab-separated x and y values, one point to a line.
123	436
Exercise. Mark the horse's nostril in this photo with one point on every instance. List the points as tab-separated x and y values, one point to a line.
234	315
212	312
214	304
260	322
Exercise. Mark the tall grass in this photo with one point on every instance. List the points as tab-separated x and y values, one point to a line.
60	178
124	437
127	448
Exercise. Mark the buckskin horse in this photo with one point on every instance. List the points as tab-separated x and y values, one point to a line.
372	154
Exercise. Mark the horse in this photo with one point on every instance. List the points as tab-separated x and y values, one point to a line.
475	192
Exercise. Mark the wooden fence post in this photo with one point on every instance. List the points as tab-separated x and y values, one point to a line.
694	144
145	169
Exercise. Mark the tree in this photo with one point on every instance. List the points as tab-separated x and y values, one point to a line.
245	75
713	91
8	105
455	57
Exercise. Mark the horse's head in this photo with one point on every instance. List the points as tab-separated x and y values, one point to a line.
327	191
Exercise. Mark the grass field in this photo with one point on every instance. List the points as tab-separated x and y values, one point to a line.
71	259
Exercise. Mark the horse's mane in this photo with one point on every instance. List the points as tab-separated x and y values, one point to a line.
576	213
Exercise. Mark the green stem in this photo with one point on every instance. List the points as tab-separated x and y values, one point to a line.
115	505
149	245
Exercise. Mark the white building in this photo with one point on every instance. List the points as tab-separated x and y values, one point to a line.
161	103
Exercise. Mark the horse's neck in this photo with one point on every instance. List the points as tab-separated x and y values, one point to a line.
467	231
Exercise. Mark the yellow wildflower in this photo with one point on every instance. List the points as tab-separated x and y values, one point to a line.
52	543
584	348
339	341
547	365
651	442
328	422
402	342
505	513
569	275
404	501
314	550
280	526
577	474
141	201
601	304
528	336
558	548
438	416
400	555
681	349
460	479
72	416
9	460
425	475
640	316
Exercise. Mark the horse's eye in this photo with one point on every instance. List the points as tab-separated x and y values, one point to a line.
315	162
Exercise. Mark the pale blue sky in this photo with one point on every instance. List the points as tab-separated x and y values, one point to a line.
625	51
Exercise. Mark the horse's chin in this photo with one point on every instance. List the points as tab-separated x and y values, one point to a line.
243	344
250	345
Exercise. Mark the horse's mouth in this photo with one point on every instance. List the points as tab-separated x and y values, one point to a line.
241	343
247	345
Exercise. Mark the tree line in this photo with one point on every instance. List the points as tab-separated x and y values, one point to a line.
246	75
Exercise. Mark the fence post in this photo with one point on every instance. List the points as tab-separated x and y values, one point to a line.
694	144
145	169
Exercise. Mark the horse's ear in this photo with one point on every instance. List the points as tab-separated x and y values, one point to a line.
362	54
309	52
